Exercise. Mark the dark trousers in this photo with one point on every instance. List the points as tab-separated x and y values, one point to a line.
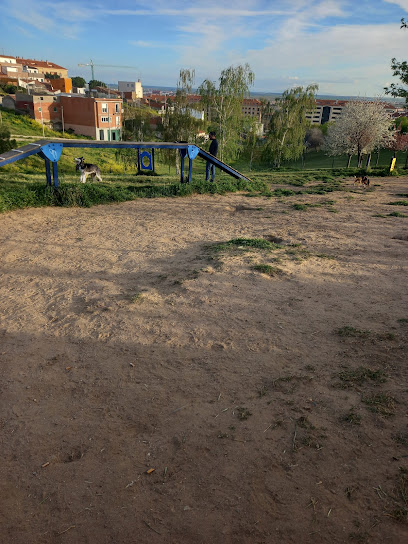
209	170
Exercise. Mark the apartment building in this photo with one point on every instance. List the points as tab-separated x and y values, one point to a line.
99	118
131	89
330	110
44	67
252	107
325	111
44	109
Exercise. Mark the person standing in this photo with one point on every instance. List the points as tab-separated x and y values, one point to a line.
210	168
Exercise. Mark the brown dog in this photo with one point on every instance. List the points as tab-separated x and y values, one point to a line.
363	180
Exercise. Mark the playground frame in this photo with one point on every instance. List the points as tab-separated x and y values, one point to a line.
51	150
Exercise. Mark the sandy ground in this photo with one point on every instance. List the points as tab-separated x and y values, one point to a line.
128	344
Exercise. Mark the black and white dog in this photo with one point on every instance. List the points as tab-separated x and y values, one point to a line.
87	170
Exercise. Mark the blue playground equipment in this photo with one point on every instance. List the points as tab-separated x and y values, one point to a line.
50	151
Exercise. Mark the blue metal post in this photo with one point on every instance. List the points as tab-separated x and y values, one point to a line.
190	170
182	168
48	171
153	170
55	173
138	160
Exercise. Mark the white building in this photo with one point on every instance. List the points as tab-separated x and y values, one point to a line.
131	87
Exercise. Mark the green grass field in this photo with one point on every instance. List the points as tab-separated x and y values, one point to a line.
22	184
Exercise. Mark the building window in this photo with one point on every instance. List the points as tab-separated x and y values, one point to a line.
104	107
106	119
102	134
117	121
41	98
116	108
55	109
54	98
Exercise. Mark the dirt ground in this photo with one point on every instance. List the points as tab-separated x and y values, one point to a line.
155	389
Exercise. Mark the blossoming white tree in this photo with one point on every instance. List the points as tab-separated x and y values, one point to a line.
362	127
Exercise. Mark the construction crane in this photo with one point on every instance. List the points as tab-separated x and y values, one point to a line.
91	64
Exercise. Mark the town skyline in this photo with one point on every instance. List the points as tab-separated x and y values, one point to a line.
345	48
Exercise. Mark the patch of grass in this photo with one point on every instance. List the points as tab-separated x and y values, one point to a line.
399	203
397	214
348	331
247	243
243	413
352	417
350	378
300	207
403	320
380	403
268	269
325	256
136	298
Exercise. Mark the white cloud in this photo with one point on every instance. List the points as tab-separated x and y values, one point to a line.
403	4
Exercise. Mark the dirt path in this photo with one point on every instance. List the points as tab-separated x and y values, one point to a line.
271	406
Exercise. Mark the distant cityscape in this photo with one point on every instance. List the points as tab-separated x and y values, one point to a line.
44	91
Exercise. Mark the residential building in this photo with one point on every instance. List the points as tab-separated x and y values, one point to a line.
99	118
45	67
5	59
131	89
252	107
43	108
62	84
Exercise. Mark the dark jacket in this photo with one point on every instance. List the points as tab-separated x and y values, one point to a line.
213	148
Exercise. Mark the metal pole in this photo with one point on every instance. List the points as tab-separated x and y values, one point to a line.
42	120
62	117
109	130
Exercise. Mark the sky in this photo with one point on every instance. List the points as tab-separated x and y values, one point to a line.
345	46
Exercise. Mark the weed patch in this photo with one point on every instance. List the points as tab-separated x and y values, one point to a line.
348	331
397	214
268	269
350	378
380	403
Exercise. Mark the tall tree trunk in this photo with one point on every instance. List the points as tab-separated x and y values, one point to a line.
349	161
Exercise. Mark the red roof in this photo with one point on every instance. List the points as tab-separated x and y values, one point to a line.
39	63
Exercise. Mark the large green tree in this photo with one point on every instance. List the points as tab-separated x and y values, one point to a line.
181	122
78	81
285	139
96	83
223	107
399	69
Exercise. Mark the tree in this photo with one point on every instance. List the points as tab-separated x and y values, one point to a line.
223	107
52	76
314	138
136	123
78	81
362	127
5	143
96	83
401	124
180	122
399	69
287	128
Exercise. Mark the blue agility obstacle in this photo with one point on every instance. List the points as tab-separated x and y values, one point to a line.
51	150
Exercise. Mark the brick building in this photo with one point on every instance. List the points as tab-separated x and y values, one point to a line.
99	118
42	108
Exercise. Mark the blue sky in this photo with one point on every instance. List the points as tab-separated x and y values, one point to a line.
345	46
